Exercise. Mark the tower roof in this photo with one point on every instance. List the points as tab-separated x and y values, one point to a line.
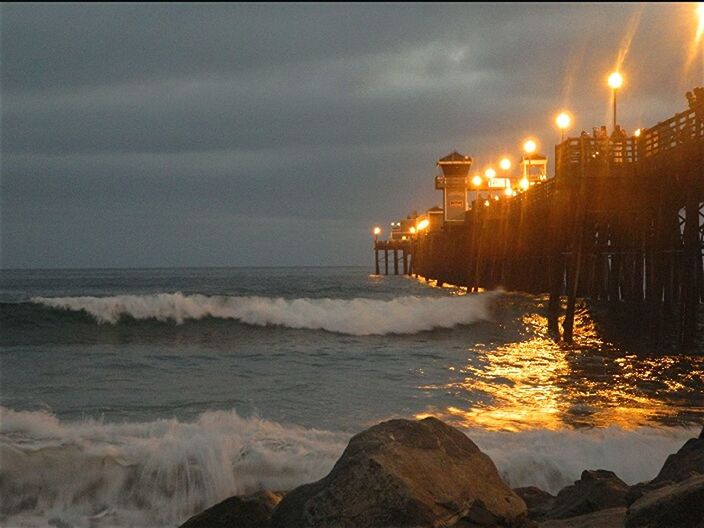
455	157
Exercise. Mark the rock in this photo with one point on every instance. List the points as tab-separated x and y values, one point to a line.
679	505
405	473
537	500
688	461
595	490
253	511
611	518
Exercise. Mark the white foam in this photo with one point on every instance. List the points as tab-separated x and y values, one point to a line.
158	473
360	316
552	459
148	474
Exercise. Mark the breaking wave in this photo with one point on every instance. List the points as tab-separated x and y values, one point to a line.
359	316
158	473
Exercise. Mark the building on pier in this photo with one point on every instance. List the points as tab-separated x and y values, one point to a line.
454	183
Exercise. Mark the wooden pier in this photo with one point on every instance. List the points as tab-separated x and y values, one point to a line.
398	250
620	223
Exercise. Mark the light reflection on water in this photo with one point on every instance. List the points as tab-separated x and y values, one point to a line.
538	383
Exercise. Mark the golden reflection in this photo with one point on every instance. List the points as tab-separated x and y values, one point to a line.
536	383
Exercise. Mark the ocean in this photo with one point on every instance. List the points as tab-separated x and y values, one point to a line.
136	398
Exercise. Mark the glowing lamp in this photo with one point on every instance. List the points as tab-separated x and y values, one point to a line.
508	191
530	146
490	173
525	184
423	224
477	181
377	230
563	120
615	80
505	164
637	132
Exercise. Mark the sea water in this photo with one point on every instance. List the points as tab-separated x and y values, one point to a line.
139	397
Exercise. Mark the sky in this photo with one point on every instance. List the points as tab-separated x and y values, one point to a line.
162	135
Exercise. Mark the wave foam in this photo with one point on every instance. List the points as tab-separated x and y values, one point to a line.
360	316
148	474
157	474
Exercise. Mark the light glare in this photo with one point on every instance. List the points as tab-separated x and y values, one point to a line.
615	80
563	120
530	146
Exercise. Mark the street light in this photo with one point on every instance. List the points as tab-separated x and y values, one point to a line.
637	132
563	121
530	146
505	164
377	232
615	82
477	181
490	173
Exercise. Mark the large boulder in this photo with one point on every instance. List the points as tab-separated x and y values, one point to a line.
688	461
595	490
405	473
679	505
253	511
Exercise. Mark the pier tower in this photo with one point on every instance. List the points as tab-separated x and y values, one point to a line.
454	183
534	169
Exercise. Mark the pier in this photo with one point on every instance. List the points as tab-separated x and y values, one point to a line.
621	222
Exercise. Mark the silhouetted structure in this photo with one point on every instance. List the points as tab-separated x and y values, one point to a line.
620	222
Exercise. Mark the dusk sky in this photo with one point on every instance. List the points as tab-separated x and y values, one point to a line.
273	135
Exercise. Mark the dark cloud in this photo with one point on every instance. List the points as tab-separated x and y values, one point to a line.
221	134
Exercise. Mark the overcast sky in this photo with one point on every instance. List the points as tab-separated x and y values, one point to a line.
217	135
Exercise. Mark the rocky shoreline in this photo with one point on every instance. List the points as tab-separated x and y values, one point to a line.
405	473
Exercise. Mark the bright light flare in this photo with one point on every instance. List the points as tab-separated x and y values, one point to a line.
423	224
377	230
563	120
615	80
505	164
638	132
490	173
487	203
530	146
525	184
477	180
413	230
700	17
508	191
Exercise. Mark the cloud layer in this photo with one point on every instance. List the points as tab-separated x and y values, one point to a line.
157	135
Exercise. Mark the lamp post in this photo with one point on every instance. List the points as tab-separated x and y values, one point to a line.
563	122
615	82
